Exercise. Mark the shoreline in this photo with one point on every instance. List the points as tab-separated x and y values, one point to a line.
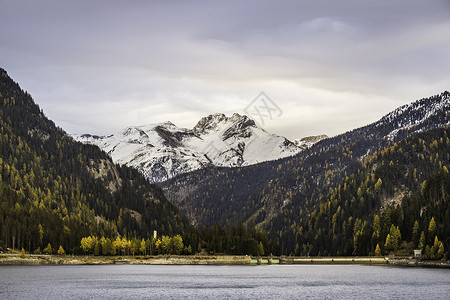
371	261
31	259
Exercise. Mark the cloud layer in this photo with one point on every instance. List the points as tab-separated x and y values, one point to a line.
98	66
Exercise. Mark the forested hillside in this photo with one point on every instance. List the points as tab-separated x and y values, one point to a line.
402	191
398	201
55	190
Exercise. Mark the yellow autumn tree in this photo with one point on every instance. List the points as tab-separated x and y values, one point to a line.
61	250
377	250
378	185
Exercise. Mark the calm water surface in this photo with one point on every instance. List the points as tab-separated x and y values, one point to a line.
223	282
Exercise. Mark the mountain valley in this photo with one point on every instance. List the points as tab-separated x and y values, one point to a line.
227	185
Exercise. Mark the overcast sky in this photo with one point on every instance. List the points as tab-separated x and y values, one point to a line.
327	66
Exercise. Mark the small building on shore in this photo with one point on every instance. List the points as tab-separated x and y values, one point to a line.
417	253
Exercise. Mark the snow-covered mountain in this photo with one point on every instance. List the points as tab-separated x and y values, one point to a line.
162	151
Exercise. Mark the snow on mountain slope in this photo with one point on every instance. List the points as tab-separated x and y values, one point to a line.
309	141
422	115
413	117
162	151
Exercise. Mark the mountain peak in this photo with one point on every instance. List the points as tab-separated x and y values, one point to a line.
161	151
210	123
244	120
167	124
236	116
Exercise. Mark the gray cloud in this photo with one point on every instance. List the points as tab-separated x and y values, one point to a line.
97	66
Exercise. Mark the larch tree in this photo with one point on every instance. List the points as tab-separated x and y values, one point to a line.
377	250
48	249
61	250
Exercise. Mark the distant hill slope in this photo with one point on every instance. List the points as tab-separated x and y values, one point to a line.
56	190
265	192
162	151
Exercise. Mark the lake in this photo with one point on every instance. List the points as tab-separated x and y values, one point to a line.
223	282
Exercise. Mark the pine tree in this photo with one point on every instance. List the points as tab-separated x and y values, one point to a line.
422	241
415	234
97	248
260	249
376	226
188	250
393	239
397	238
435	248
